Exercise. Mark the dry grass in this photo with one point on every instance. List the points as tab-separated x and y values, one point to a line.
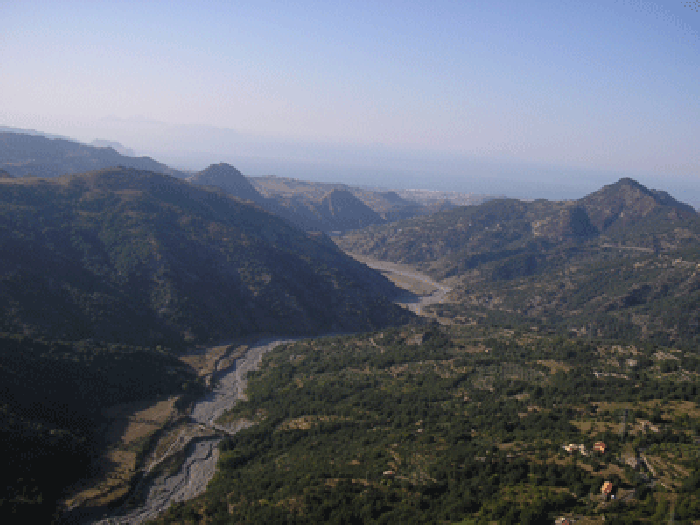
596	427
554	366
130	425
306	422
134	421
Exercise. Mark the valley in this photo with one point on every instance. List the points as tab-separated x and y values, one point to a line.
421	290
508	361
194	448
195	445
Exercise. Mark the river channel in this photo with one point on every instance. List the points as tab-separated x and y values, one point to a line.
202	453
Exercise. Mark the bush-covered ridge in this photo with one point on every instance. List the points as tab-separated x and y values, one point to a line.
127	255
621	262
452	242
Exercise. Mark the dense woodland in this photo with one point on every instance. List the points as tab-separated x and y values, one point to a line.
459	424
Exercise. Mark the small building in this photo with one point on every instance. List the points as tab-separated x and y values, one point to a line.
606	489
599	447
573	447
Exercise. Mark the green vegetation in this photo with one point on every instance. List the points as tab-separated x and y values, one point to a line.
103	271
619	263
51	411
456	423
138	257
569	323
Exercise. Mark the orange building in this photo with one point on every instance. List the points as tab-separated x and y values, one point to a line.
606	489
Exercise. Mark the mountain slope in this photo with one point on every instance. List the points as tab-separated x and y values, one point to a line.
301	202
127	255
38	156
342	209
229	179
621	262
454	241
627	201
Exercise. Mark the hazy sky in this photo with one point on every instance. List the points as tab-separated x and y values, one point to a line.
607	85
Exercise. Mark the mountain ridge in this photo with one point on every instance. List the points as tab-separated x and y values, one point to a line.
229	179
40	156
126	255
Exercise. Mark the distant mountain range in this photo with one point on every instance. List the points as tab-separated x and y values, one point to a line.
116	146
310	206
313	206
24	155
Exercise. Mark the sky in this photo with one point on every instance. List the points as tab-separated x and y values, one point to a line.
530	98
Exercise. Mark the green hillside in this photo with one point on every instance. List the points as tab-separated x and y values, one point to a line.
105	275
131	256
459	425
621	262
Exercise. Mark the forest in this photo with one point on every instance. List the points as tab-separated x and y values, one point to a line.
460	425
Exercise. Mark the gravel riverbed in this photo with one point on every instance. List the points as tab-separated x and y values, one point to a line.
202	453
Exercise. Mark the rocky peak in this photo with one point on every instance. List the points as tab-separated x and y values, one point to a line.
229	179
628	200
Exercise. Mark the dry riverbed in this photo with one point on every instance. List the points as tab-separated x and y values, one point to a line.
183	470
421	290
186	458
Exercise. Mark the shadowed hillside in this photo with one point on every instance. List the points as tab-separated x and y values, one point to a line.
127	255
